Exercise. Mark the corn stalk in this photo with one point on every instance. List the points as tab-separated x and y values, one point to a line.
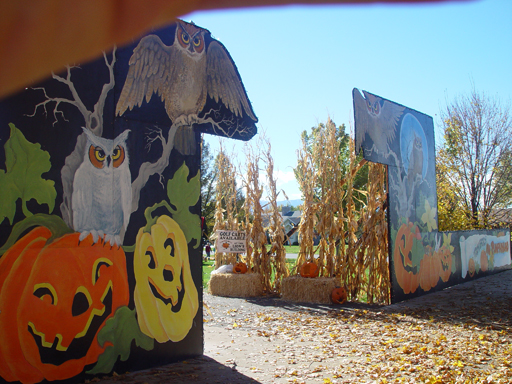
277	253
257	257
225	205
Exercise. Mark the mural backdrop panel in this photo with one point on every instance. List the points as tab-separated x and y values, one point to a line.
422	259
100	238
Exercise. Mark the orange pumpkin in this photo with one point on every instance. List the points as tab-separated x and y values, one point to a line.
240	268
471	267
406	275
54	299
484	262
429	269
339	295
309	269
445	258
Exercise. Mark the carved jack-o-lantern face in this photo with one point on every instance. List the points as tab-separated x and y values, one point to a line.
165	294
446	264
406	275
68	292
339	295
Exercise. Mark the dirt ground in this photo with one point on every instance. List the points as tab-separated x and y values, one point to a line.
461	334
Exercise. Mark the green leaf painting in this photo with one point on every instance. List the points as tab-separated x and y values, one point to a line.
184	194
25	163
120	331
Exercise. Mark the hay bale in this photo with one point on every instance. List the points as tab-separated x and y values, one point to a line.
308	290
236	285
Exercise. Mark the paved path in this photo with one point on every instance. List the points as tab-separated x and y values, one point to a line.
250	341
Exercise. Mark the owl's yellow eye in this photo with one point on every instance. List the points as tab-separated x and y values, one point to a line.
197	41
99	154
185	38
96	156
118	156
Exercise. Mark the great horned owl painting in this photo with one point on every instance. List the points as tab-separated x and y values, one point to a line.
414	152
102	193
415	167
194	69
375	119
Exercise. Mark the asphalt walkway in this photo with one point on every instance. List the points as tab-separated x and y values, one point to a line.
268	340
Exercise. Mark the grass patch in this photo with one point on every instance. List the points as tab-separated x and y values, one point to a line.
208	267
294	249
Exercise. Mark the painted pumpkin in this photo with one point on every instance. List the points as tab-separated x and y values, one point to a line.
484	262
240	268
406	275
165	294
58	296
309	269
339	295
445	258
471	267
429	270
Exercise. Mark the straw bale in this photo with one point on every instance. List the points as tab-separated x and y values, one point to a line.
308	290
236	285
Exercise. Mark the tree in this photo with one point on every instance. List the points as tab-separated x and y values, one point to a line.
311	139
474	164
208	177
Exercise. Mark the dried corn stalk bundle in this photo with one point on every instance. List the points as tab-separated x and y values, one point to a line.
307	181
225	205
374	238
277	253
349	267
255	233
325	154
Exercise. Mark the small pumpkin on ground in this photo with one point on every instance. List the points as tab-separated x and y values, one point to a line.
339	295
240	268
309	269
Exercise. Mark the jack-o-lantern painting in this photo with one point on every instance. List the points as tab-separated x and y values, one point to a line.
165	295
71	289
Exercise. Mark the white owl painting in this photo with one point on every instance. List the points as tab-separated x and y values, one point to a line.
375	119
102	193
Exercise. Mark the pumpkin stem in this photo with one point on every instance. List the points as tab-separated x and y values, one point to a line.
54	223
148	212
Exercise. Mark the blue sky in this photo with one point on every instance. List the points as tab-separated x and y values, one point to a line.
299	64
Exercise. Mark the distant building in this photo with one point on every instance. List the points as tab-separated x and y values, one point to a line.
291	220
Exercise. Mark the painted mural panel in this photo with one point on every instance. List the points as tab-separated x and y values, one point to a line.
100	237
421	258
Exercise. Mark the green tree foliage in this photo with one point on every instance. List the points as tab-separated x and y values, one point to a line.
474	167
343	138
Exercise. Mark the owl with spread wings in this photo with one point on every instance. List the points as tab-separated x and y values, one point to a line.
195	78
378	118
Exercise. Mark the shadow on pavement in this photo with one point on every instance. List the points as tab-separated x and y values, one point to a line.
201	369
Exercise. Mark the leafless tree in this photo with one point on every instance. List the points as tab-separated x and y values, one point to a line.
476	156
